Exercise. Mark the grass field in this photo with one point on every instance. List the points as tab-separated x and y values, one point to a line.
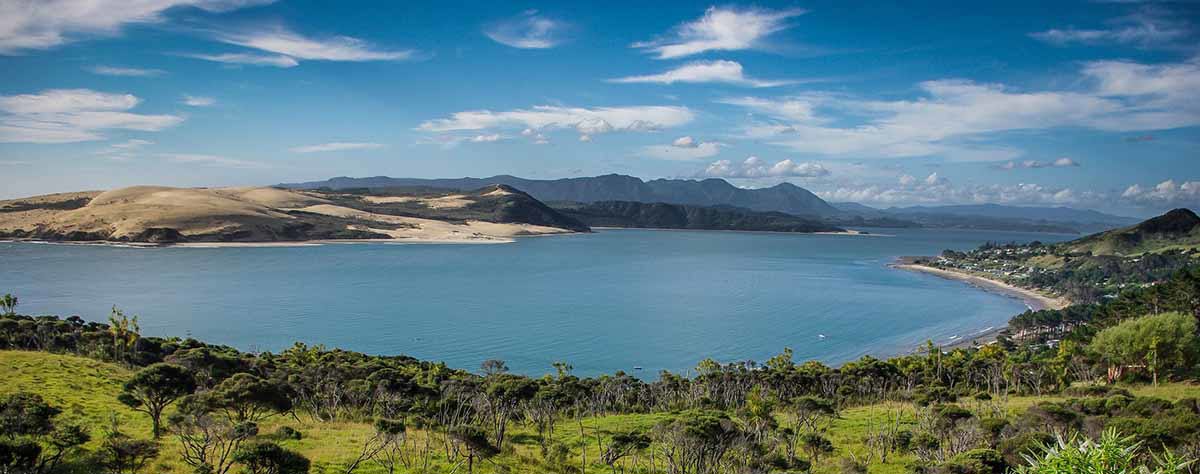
86	390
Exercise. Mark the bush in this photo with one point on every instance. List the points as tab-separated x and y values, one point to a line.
288	433
1015	448
270	458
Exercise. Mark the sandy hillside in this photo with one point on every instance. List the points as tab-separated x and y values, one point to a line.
164	214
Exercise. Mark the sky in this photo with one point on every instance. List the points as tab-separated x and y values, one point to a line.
1083	104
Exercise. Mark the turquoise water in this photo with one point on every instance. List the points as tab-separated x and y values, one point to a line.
603	302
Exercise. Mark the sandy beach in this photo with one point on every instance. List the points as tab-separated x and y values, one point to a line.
1033	300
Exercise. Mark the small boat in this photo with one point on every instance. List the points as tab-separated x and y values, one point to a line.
820	336
637	367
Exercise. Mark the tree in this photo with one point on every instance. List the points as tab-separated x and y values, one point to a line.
125	334
270	458
208	438
475	442
32	441
249	398
624	444
8	305
492	367
1165	341
504	396
154	388
696	441
816	445
124	454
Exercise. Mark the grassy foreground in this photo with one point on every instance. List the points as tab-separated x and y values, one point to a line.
87	392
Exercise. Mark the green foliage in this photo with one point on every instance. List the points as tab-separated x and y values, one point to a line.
1111	454
1165	342
153	388
270	458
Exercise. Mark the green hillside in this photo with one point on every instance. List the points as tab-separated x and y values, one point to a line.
1176	230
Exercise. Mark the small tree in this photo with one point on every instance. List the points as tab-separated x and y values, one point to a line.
124	454
154	388
125	333
270	458
1164	341
208	439
475	442
249	398
8	305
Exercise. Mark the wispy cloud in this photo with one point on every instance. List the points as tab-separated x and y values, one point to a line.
248	59
1116	96
211	160
73	115
529	30
1147	28
280	40
721	29
586	121
125	71
721	71
198	101
336	146
755	167
44	24
1063	162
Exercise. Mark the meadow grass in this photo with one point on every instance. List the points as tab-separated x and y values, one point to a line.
86	390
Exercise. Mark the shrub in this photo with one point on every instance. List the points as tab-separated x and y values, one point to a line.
288	433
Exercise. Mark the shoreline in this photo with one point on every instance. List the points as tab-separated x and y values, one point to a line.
1033	300
667	229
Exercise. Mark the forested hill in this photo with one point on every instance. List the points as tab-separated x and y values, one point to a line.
784	197
1176	230
676	216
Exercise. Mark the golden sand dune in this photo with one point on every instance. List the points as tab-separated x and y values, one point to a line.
250	214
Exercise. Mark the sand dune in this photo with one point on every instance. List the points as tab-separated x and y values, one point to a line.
247	214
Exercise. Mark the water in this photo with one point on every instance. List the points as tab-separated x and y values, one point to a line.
603	302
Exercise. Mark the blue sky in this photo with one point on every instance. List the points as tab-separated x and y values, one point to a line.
1087	104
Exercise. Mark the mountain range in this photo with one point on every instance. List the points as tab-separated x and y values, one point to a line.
785	198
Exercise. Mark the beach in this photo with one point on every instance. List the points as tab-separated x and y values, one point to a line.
1034	300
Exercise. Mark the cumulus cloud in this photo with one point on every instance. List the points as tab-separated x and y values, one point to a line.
1169	193
336	146
125	71
44	24
720	29
198	101
721	71
1145	28
282	41
1063	162
529	30
593	121
248	59
494	137
73	115
1120	96
935	189
755	167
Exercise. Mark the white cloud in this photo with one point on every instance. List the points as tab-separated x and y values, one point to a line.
585	138
131	144
720	29
494	137
125	71
198	101
73	115
43	24
586	121
279	40
684	142
683	150
721	71
935	189
529	30
951	114
336	146
755	167
1063	162
248	59
211	160
1167	193
1146	28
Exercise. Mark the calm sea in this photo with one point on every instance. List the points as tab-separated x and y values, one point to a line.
612	300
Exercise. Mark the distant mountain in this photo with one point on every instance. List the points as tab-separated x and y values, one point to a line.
678	216
1177	229
995	217
785	197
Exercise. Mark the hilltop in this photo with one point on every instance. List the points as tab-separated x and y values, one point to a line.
1176	230
156	214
